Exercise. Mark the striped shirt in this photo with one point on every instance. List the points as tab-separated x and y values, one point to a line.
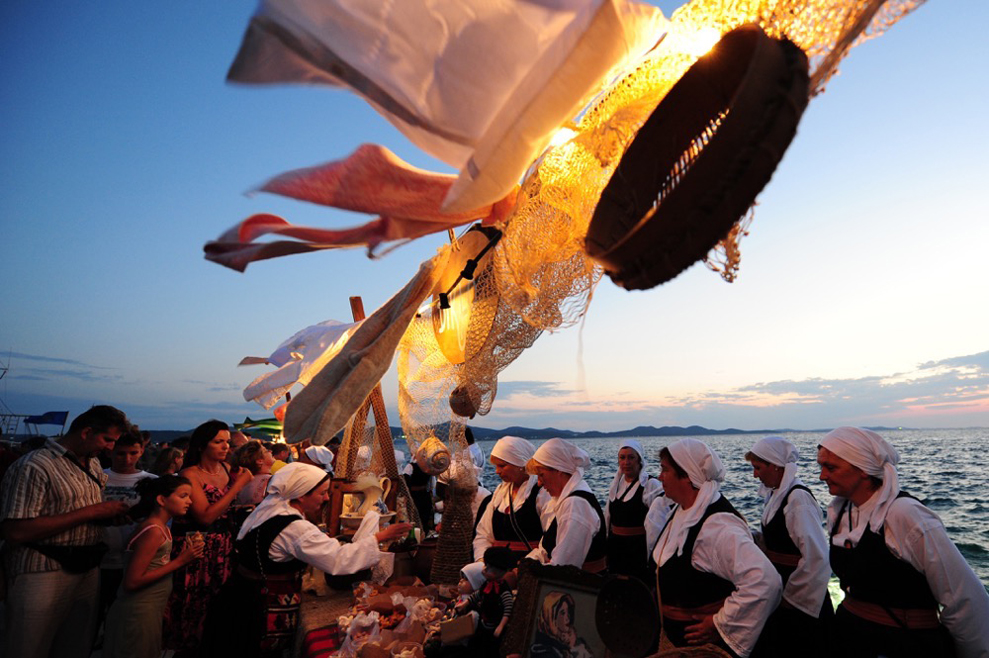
46	482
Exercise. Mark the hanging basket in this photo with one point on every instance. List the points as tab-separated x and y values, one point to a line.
697	164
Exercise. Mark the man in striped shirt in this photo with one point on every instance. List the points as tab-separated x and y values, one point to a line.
51	518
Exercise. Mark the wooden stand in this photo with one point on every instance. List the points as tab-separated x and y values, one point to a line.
341	486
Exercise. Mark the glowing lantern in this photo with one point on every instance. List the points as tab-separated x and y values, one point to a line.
453	310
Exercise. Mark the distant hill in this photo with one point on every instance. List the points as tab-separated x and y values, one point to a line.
487	434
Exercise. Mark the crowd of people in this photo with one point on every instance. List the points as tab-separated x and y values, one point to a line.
908	592
109	541
98	552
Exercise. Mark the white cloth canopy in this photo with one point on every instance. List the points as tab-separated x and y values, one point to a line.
868	451
298	359
777	451
480	84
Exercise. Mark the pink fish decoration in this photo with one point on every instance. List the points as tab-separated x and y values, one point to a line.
372	180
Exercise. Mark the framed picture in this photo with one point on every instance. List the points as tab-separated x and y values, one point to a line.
554	612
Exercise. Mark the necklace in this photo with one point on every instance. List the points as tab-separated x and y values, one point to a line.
214	473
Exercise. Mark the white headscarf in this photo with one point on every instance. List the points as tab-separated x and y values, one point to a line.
517	452
473	573
620	477
321	455
514	450
290	482
777	451
565	457
868	451
703	467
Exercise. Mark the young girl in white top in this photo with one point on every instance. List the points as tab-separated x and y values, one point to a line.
133	625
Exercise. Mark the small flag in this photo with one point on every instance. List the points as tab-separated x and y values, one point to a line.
49	418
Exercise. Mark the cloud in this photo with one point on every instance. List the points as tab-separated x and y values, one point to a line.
52	359
978	361
954	388
533	388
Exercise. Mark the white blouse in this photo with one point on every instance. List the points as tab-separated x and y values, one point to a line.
917	536
484	536
724	547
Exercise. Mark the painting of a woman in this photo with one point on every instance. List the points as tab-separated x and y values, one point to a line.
555	635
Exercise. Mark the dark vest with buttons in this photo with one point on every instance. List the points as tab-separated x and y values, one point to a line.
521	525
777	537
252	550
682	585
627	554
870	572
598	547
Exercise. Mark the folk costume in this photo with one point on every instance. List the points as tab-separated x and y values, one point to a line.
516	519
577	534
909	592
794	542
708	562
625	517
274	546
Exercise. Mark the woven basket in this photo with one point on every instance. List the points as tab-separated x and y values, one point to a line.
698	162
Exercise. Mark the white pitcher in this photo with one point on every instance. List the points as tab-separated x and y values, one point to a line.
373	489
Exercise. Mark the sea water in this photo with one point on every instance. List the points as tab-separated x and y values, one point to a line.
947	470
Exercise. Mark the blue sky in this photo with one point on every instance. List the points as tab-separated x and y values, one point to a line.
861	299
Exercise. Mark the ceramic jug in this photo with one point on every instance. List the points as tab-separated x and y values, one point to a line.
373	489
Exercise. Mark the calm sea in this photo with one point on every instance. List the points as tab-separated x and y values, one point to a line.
947	470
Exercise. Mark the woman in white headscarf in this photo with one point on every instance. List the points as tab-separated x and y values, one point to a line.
274	546
632	492
909	592
577	534
793	540
519	509
715	585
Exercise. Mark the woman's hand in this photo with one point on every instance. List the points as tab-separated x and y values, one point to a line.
394	531
703	632
242	478
192	549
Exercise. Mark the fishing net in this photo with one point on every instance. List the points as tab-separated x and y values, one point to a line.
368	447
539	277
824	29
454	548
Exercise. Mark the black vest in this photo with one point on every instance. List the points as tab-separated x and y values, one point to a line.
777	537
522	524
627	554
252	550
598	544
628	513
683	586
871	573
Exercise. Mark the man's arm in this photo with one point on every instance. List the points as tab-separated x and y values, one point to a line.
42	527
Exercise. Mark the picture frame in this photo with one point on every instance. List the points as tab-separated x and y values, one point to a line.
539	624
